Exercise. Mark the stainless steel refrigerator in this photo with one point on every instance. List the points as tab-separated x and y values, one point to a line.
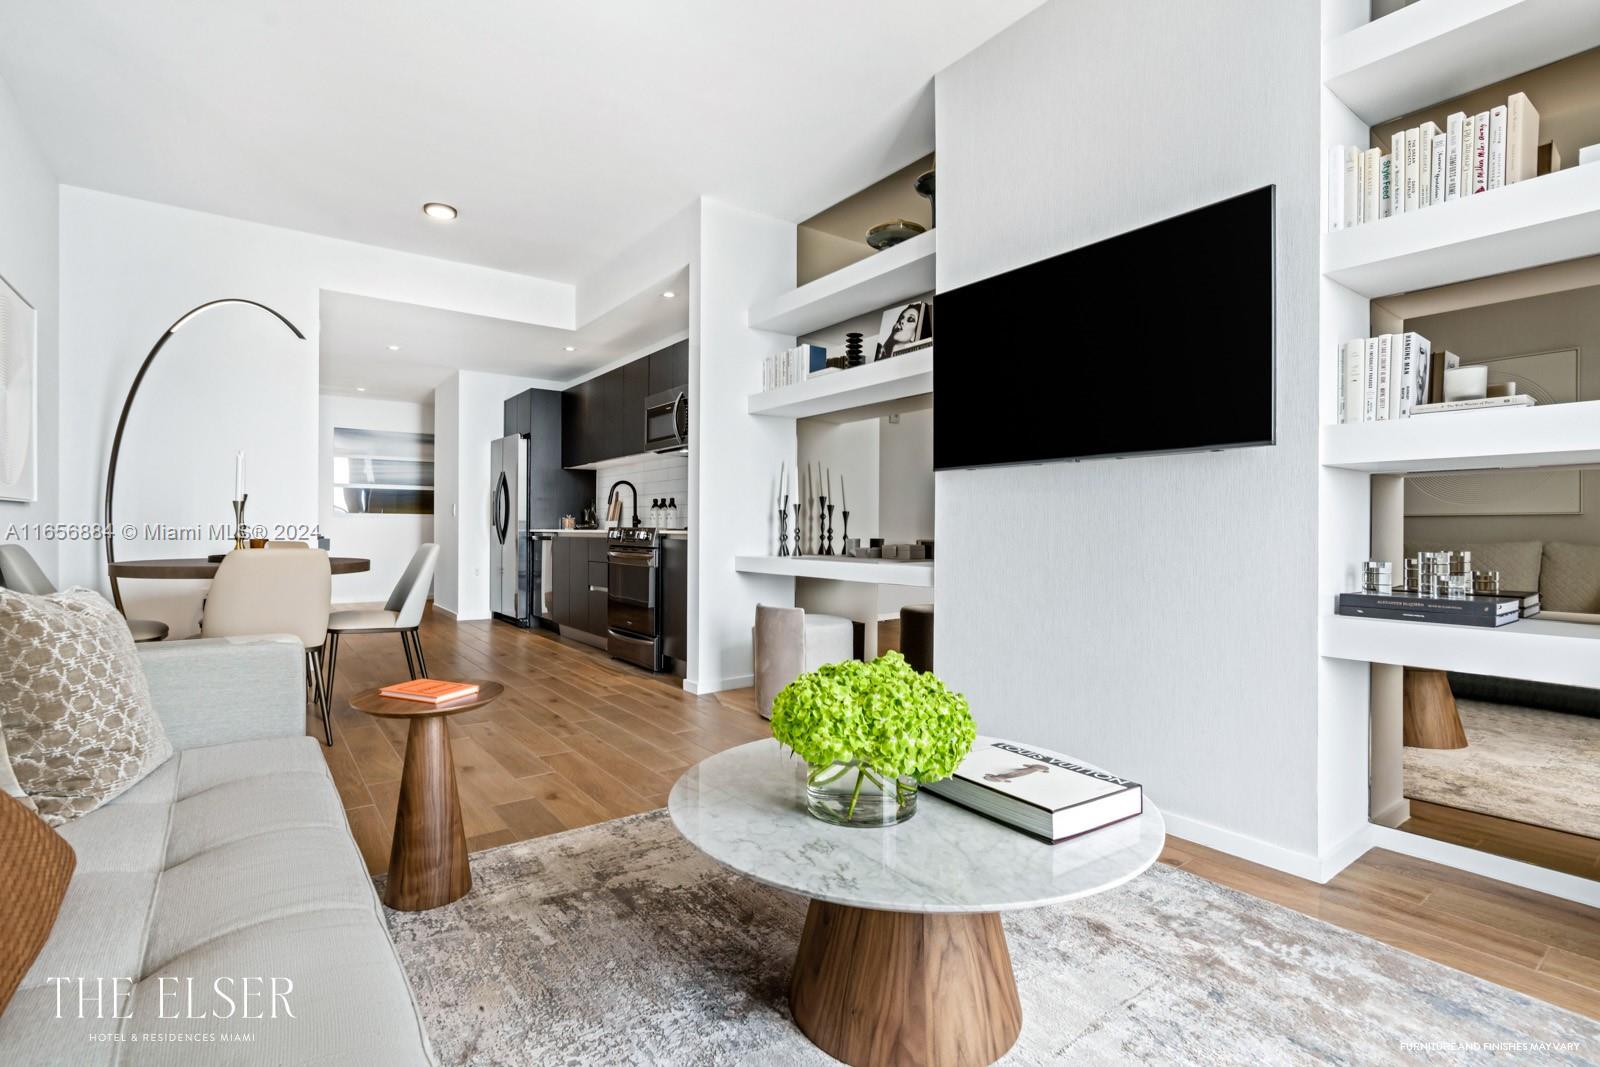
510	549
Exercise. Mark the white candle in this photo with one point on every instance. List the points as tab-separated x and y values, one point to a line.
238	476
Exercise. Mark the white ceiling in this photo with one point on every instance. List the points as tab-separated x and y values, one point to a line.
561	129
355	333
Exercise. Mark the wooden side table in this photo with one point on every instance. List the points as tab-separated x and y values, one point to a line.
428	861
1430	718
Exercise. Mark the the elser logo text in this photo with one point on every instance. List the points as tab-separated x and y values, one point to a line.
250	997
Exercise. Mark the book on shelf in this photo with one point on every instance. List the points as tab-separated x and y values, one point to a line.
1385	377
793	365
1478	610
1041	793
1385	365
429	691
1369	407
1517	400
1425	166
1352	379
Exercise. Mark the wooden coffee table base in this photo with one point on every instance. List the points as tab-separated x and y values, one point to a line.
428	863
882	988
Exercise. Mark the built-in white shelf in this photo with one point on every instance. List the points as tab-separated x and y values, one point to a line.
841	569
1434	50
1566	653
897	273
870	385
1555	435
1544	220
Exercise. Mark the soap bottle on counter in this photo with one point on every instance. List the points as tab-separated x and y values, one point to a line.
671	520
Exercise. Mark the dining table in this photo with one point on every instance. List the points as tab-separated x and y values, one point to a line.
200	567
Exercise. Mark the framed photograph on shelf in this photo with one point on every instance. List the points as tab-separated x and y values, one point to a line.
906	328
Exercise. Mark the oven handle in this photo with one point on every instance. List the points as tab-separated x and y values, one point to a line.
630	559
599	589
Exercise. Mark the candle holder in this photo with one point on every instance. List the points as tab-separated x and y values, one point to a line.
845	540
822	525
828	551
783	530
799	533
241	533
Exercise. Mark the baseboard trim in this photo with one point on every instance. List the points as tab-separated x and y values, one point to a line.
1539	879
442	610
1394	814
1300	864
1342	855
706	688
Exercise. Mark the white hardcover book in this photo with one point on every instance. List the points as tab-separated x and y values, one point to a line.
1424	363
1372	171
1453	185
1405	382
1341	401
1427	133
1352	187
1336	187
1039	792
1355	386
1412	189
1369	410
1436	178
1385	376
1397	174
1497	147
1518	400
1479	180
1522	139
1385	187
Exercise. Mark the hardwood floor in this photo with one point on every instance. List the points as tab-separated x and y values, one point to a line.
1539	845
579	738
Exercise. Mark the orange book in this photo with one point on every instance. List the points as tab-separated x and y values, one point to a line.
429	690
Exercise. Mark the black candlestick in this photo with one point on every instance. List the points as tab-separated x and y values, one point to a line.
828	551
846	538
822	524
783	530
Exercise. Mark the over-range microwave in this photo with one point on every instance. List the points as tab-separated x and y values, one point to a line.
666	421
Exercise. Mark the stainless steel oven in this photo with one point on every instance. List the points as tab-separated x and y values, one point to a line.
666	421
633	596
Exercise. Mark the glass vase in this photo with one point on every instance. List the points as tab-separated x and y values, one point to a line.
849	793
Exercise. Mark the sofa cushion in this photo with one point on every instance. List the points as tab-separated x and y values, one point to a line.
8	778
1570	580
33	880
73	702
1517	561
229	863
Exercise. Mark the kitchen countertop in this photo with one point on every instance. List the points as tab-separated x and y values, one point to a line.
602	533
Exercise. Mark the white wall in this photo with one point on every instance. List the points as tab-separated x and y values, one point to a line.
1156	615
905	495
734	459
28	262
469	413
663	476
389	541
231	379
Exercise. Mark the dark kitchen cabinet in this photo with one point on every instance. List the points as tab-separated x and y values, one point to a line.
630	419
667	369
561	564
675	602
577	575
597	598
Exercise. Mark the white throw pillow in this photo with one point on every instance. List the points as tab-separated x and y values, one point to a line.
8	777
74	704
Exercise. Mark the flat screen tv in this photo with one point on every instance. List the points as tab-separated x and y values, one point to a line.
1156	340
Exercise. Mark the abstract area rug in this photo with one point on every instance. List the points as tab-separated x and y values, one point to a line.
1534	766
622	944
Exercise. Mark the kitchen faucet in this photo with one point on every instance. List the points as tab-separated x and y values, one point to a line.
614	502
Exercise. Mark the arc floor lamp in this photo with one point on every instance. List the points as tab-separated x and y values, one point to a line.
127	406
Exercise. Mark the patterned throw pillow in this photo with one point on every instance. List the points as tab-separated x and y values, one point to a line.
74	704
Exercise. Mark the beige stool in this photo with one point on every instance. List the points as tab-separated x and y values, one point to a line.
789	642
916	635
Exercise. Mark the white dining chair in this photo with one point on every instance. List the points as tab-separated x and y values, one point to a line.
401	614
20	574
258	592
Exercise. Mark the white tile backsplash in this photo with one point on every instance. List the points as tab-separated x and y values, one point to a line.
665	476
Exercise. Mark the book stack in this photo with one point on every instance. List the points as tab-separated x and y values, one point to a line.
1427	165
1041	793
792	366
1388	376
1478	609
430	691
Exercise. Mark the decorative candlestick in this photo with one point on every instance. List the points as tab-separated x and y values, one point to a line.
241	535
822	525
799	549
828	551
846	538
783	527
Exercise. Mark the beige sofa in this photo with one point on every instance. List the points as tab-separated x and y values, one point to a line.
230	867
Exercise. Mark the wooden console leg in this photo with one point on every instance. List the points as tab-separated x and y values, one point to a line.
888	988
1431	719
428	863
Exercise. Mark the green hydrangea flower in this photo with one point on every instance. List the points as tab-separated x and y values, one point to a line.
884	714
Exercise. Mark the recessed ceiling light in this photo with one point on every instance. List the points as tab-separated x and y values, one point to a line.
361	388
571	348
441	212
394	348
669	294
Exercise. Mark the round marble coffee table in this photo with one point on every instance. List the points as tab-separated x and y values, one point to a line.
903	959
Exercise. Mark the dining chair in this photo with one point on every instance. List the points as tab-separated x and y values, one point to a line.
276	593
401	613
19	573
